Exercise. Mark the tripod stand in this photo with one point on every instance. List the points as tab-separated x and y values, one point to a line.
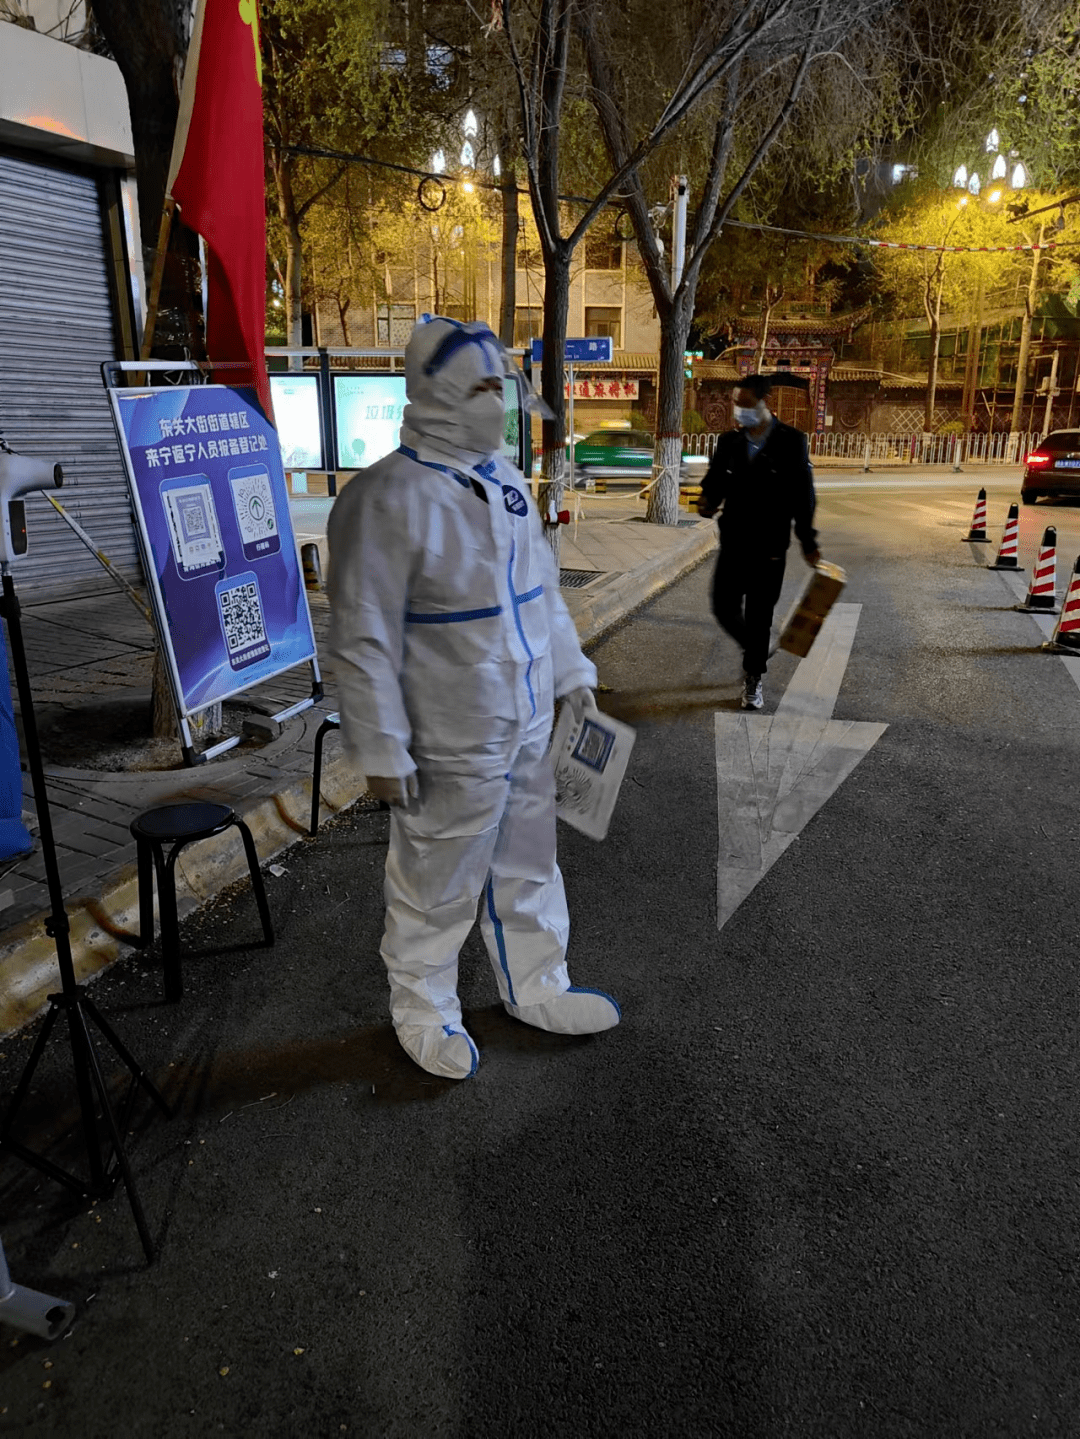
105	1161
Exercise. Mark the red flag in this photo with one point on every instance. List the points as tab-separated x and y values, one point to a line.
217	179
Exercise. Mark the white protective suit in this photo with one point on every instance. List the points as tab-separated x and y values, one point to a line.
451	642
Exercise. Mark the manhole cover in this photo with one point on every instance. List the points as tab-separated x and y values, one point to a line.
578	579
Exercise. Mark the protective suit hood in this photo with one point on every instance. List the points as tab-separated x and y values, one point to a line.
443	422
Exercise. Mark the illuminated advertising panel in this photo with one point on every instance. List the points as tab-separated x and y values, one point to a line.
299	424
369	414
369	409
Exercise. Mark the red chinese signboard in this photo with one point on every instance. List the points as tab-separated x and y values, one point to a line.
603	389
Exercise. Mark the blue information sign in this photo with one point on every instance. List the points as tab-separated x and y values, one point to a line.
596	348
209	493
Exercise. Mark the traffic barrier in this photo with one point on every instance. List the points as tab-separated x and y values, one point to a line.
1006	555
1066	636
689	496
978	522
1042	591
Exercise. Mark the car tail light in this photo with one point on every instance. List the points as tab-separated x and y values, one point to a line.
1037	458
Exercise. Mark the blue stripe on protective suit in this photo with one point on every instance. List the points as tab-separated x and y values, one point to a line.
500	937
453	617
518	600
459	337
14	836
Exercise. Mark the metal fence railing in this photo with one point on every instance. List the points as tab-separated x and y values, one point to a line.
913	448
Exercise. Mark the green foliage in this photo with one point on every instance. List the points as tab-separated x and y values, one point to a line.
1036	93
930	281
693	423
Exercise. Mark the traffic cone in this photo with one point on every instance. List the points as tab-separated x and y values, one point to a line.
1042	591
978	522
1006	556
1066	636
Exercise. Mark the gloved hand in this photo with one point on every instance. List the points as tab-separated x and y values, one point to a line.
580	701
395	790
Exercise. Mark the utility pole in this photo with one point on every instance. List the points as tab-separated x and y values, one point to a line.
1048	418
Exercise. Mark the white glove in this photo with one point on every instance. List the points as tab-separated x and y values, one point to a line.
395	790
580	702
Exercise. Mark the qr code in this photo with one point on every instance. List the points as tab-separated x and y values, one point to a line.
242	617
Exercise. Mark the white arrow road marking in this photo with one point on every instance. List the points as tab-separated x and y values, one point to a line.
774	772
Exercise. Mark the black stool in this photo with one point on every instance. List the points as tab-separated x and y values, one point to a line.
180	825
332	721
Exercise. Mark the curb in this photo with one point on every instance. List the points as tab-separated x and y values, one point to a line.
609	603
105	923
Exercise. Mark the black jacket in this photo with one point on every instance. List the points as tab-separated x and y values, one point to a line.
764	496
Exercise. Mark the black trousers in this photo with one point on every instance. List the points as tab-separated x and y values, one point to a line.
744	594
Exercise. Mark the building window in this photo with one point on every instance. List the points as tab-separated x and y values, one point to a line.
528	325
393	325
604	320
603	253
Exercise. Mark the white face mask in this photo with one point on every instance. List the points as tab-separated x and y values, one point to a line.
481	422
750	418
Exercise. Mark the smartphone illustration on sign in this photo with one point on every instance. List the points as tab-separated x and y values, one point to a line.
240	611
193	525
253	501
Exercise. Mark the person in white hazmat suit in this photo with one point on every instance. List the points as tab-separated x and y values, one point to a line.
451	643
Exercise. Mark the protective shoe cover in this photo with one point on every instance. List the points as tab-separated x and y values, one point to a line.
575	1011
443	1049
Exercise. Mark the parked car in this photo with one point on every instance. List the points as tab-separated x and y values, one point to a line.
625	455
1053	467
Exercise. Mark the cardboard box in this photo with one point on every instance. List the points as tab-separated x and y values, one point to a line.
807	614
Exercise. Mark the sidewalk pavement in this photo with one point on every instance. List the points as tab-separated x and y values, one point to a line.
91	663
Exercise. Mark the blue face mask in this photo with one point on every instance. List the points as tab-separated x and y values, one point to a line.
749	419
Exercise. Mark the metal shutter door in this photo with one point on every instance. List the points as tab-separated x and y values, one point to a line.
56	327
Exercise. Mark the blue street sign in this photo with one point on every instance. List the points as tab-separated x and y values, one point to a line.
595	347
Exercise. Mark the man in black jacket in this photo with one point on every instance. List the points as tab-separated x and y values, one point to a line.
762	477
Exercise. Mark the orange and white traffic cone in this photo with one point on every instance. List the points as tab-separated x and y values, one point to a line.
978	522
1042	591
1066	636
1006	556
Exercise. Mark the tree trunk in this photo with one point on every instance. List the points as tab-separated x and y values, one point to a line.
931	376
1025	340
663	507
149	42
556	306
163	713
510	225
287	209
971	366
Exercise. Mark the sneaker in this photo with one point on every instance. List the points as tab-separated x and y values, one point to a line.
752	698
